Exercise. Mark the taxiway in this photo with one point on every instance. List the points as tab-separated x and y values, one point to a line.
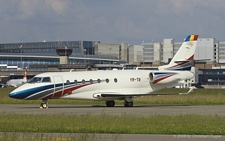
139	110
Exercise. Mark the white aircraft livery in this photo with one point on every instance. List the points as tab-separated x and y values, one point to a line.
17	82
109	85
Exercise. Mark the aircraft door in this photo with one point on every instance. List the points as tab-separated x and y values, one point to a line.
58	86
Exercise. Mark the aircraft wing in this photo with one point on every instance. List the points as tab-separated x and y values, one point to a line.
13	85
136	95
191	89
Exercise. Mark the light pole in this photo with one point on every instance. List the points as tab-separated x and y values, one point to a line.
65	50
99	56
159	57
128	54
143	54
110	52
113	56
88	57
21	55
85	56
110	56
66	59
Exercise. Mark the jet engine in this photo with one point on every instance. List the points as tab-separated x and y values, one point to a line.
165	77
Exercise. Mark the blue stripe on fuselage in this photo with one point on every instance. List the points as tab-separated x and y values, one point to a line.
27	92
23	94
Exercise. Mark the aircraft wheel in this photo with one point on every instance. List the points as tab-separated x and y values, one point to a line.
44	104
128	104
110	103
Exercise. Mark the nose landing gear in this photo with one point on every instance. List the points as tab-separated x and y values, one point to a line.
128	102
44	104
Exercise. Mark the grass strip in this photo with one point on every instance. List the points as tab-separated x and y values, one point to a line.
124	124
198	97
31	136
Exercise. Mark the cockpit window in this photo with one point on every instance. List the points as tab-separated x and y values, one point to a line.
46	79
40	79
35	80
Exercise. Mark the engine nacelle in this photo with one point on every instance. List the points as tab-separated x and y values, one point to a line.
97	95
166	77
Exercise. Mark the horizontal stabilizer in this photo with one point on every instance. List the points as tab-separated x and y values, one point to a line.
194	60
201	60
181	61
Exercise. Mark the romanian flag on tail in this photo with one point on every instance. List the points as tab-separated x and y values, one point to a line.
191	38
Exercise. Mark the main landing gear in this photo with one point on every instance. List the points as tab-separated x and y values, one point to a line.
110	103
44	104
127	103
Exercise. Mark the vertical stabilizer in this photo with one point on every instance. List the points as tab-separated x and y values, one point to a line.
184	56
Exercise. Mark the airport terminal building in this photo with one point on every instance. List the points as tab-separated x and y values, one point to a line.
40	56
21	55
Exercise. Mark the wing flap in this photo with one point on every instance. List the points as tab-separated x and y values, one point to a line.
136	95
114	95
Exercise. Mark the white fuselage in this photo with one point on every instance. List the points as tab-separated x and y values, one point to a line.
96	85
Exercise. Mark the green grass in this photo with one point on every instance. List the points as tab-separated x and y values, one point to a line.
19	136
156	124
199	97
123	124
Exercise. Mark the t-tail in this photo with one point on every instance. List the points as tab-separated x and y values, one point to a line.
183	59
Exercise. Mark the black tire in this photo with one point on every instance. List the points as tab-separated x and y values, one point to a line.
128	104
110	103
44	104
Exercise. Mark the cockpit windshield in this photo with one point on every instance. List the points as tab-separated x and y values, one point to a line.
40	79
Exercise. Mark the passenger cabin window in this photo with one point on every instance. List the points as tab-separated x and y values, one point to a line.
83	81
67	82
75	82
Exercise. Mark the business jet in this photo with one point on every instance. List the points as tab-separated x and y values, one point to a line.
110	85
17	82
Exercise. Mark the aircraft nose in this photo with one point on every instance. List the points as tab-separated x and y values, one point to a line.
17	93
13	95
23	92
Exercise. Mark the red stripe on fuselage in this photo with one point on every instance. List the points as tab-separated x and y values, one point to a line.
58	94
